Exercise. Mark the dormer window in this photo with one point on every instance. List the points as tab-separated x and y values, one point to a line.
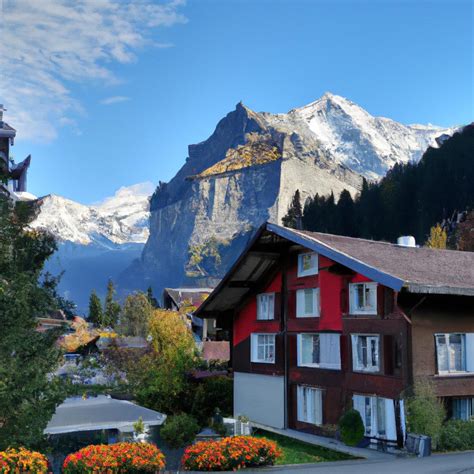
363	298
307	264
266	306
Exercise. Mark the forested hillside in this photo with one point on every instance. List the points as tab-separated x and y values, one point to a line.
407	201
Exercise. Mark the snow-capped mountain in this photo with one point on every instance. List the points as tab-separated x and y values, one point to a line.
247	172
366	144
120	219
96	242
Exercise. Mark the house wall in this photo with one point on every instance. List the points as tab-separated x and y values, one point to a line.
441	314
338	385
260	398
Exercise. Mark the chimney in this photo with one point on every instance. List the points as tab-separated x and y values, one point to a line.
406	241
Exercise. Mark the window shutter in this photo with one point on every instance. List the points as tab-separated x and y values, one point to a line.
380	291
388	301
355	364
388	354
292	304
277	306
470	352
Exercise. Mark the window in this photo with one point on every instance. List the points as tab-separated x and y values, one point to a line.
319	350
307	303
363	298
263	348
307	264
309	404
378	415
365	353
463	408
451	352
266	306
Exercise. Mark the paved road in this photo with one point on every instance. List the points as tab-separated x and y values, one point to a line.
456	463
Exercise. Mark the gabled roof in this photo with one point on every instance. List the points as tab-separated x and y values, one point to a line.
194	296
412	269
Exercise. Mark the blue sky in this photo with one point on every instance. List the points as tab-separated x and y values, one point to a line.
172	79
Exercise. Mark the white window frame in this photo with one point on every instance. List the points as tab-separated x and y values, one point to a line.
270	306
357	364
329	351
378	415
300	303
313	270
314	396
254	346
465	341
352	298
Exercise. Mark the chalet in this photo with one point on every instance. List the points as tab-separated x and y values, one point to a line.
320	323
12	176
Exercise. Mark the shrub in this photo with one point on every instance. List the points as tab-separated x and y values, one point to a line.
351	427
179	430
22	460
457	435
230	454
212	393
425	411
133	458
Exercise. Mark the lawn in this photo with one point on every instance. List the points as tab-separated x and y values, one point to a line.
298	452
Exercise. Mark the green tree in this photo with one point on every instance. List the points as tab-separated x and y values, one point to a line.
111	307
294	215
437	238
425	410
135	315
95	310
28	394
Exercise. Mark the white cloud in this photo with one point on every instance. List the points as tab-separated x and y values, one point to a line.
116	99
48	44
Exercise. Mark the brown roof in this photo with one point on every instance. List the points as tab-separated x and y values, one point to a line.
419	268
216	350
412	269
194	296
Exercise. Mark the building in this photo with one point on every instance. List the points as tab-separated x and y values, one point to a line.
12	176
320	323
187	300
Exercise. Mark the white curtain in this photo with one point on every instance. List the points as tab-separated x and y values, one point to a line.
358	402
390	423
330	351
470	352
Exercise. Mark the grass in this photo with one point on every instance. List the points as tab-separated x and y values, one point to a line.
299	452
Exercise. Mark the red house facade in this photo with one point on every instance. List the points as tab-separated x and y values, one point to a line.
322	323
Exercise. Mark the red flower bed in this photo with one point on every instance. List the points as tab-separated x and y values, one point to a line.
120	458
22	460
230	454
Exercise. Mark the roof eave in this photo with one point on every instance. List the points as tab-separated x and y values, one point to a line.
322	249
438	290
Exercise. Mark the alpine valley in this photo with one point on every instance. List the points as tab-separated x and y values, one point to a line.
244	174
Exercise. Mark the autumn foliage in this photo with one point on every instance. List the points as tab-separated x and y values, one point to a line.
22	460
230	454
120	458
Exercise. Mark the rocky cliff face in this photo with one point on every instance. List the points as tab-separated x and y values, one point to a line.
246	173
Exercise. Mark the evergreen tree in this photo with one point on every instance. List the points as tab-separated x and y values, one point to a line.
111	307
135	315
151	298
96	314
28	392
437	238
294	215
346	224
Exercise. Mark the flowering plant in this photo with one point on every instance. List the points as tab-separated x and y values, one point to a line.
230	454
120	458
22	460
